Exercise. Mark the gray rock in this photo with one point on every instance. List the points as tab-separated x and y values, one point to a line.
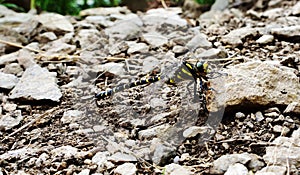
128	17
296	137
25	58
137	47
273	13
272	114
8	81
100	158
55	22
220	5
126	169
289	33
47	36
222	164
212	53
296	9
4	11
175	169
259	116
195	130
88	37
236	37
13	68
124	30
84	172
179	49
274	3
255	81
21	153
237	169
160	117
42	159
274	111
64	151
240	115
199	40
293	107
8	33
16	19
59	46
8	58
281	129
37	84
149	64
256	162
104	11
10	120
161	153
100	20
254	14
122	157
270	170
153	132
9	107
285	149
265	39
118	48
71	116
155	39
159	16
114	68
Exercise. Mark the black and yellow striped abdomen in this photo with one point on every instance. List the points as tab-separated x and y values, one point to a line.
186	71
109	92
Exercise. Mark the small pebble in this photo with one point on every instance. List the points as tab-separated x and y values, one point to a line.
259	116
272	114
9	107
239	115
273	109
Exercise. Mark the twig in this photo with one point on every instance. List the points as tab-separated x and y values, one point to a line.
115	59
48	112
20	46
215	60
163	3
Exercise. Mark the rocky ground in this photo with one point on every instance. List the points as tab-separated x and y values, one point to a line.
52	65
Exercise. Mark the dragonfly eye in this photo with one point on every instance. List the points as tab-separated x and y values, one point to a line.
202	67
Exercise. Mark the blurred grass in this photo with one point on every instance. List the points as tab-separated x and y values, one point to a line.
210	2
73	7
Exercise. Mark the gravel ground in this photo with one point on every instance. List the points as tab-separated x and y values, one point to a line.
51	66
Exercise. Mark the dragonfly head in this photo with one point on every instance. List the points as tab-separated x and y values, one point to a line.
201	67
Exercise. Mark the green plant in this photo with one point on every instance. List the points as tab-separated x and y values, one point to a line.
60	6
107	3
71	7
205	1
12	6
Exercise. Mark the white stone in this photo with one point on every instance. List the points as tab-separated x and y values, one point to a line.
37	83
55	22
261	83
65	151
194	130
175	169
7	81
126	169
265	39
237	169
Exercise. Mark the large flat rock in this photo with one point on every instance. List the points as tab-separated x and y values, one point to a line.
37	83
261	83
